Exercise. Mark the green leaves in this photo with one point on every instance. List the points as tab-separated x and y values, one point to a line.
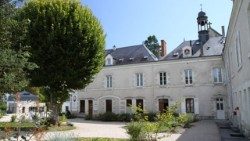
67	43
152	44
13	51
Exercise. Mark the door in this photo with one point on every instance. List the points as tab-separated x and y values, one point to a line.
90	108
108	106
163	105
82	106
220	108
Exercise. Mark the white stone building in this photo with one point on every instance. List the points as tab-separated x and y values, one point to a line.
26	105
192	74
237	63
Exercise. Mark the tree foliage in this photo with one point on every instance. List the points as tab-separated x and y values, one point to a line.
67	43
13	50
152	44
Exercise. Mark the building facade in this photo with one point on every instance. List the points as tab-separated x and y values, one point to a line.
25	104
191	75
236	57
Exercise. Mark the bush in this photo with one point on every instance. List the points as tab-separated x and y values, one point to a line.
134	129
108	116
125	117
13	118
62	118
152	117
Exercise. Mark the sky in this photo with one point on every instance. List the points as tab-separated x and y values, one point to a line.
130	22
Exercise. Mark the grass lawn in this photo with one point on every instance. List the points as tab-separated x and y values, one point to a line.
29	125
100	139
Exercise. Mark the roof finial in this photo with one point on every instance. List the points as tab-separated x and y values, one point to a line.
201	6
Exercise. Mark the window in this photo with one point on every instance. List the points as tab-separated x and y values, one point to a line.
163	105
238	49
108	105
82	106
139	79
189	105
188	76
163	78
139	103
109	81
66	108
129	102
217	74
23	110
219	104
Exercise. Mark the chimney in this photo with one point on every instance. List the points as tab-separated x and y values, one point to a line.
114	47
223	31
163	51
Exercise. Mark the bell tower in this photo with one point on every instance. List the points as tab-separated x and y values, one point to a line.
202	27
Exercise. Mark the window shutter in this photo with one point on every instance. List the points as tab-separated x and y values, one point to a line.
194	76
196	106
104	82
144	79
183	106
168	78
182	77
145	105
157	79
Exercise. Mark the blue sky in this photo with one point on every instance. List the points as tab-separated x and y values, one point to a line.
130	22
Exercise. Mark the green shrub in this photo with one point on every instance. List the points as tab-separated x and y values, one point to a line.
88	117
152	117
108	116
62	118
125	117
135	131
13	118
182	119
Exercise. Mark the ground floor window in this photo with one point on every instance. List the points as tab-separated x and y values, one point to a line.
189	105
219	104
82	106
163	105
139	103
129	102
32	109
23	110
108	105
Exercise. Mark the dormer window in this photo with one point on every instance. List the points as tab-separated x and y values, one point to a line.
121	60
131	59
109	60
176	54
145	57
187	51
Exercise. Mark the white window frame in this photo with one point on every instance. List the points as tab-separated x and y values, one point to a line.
162	78
217	75
109	82
188	74
139	79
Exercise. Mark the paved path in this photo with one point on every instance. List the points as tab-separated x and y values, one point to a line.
86	128
205	130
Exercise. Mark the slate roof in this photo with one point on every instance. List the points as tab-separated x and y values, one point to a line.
213	46
131	55
24	96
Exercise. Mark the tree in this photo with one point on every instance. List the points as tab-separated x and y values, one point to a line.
14	54
67	43
152	44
